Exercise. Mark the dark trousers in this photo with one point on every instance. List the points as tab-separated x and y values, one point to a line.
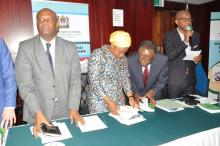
176	91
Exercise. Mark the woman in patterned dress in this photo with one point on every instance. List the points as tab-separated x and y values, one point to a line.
109	76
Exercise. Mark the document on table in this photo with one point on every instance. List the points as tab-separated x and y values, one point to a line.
65	134
128	115
204	99
170	105
92	123
191	54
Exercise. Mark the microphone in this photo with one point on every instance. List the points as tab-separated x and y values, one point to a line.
189	28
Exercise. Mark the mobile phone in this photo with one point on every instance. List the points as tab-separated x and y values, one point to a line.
50	130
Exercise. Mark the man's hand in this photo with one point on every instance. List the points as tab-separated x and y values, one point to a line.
8	117
187	34
75	116
113	108
134	103
39	119
197	59
150	96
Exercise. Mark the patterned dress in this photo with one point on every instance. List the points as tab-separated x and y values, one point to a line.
108	76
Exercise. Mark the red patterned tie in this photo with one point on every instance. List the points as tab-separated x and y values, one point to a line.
145	76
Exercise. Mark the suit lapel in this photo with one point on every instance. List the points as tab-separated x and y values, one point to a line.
59	54
41	56
140	73
152	70
177	36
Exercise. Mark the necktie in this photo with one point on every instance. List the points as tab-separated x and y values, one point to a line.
49	55
145	76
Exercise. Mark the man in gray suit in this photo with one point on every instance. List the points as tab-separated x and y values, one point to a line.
48	74
148	72
181	75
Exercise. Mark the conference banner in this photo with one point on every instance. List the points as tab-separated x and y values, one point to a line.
73	25
214	57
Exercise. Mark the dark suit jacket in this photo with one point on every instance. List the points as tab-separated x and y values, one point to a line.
157	78
175	50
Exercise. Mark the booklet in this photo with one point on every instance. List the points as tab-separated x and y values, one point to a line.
211	108
170	105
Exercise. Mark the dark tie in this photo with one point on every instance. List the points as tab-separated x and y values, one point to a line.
49	55
145	75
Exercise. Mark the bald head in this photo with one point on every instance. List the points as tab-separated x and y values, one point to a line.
47	24
46	10
180	13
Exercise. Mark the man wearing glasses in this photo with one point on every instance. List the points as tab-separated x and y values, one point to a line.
181	74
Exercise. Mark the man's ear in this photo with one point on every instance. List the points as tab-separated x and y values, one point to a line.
176	21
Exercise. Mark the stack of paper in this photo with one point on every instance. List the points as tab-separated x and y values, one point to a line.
211	108
128	115
65	134
92	123
170	105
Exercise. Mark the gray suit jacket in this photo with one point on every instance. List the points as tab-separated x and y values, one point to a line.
175	50
157	78
41	90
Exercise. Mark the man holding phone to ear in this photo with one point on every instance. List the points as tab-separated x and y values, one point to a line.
181	74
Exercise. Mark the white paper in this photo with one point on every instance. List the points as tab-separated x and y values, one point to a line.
191	54
118	17
144	105
128	115
65	134
92	123
204	99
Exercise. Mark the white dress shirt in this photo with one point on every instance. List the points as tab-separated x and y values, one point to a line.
148	68
182	38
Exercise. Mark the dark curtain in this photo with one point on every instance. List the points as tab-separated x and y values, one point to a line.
16	20
138	16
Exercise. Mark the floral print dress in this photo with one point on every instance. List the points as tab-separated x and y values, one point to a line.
108	76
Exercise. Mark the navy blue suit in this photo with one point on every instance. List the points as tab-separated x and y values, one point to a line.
8	87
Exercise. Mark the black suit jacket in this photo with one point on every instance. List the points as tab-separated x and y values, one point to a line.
180	70
157	78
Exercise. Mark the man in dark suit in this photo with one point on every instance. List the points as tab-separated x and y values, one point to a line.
48	74
181	75
148	72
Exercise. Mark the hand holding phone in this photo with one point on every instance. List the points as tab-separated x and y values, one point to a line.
50	130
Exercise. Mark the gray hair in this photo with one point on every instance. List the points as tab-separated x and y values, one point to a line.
148	45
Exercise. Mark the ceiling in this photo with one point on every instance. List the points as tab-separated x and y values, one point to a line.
196	2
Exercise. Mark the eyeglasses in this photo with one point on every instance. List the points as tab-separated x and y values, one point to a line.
185	19
48	20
